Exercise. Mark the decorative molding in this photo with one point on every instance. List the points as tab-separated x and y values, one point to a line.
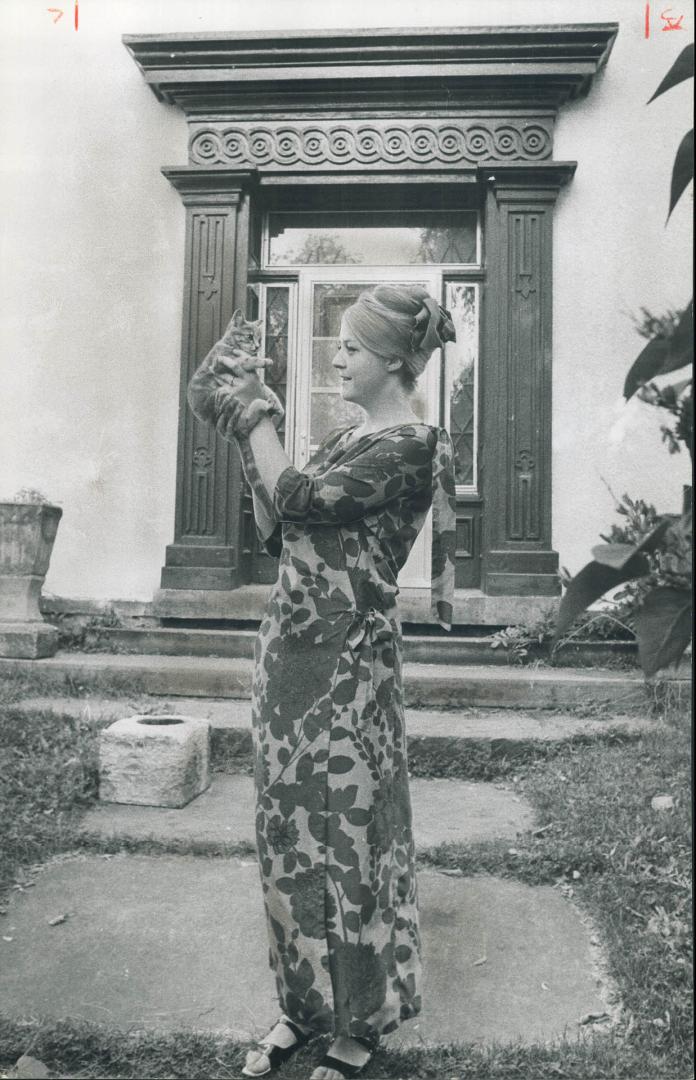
202	458
209	187
355	142
532	182
242	73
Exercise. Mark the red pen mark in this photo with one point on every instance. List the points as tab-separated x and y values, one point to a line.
671	23
647	20
77	15
57	11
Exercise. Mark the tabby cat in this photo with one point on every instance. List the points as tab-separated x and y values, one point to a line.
212	385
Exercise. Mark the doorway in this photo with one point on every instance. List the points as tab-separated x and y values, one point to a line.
314	271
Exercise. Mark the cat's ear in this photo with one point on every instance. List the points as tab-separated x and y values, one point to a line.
238	318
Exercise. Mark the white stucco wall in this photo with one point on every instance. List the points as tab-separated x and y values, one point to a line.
92	267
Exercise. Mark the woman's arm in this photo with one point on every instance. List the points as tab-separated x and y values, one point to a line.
269	457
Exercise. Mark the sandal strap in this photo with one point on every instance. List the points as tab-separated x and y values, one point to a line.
343	1068
301	1037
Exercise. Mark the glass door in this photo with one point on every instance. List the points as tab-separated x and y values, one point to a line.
318	407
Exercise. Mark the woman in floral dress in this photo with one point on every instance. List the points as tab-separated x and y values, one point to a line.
333	814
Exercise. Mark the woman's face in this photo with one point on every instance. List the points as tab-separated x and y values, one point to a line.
363	374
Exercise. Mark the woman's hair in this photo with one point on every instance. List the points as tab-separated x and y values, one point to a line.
400	322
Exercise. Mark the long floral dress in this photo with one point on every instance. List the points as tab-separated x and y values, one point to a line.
333	818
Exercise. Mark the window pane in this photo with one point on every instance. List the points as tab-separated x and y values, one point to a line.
323	371
384	238
461	374
330	411
277	327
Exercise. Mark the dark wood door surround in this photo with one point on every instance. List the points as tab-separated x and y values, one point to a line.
270	114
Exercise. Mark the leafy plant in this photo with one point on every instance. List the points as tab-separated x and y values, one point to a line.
30	495
651	554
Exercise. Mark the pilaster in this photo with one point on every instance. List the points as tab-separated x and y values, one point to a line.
520	200
207	548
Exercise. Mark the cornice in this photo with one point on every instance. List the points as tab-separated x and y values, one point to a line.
229	74
215	185
508	179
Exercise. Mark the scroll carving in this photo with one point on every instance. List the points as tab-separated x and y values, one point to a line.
406	143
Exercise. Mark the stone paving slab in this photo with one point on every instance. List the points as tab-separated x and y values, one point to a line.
228	714
174	942
443	811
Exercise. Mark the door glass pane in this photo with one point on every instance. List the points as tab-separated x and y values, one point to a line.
328	410
384	238
276	343
461	381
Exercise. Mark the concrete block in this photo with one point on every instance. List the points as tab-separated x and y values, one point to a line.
27	640
161	760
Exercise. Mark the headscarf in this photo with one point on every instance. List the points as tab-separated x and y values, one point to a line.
400	322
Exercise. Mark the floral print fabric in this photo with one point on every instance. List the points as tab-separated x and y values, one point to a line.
333	816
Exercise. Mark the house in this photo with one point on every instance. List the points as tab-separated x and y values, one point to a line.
165	167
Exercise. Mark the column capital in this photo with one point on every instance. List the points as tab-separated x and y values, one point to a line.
532	181
213	186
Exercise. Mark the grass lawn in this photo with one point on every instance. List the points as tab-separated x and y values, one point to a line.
598	839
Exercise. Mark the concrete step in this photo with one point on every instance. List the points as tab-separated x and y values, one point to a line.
444	811
425	685
170	942
418	648
470	744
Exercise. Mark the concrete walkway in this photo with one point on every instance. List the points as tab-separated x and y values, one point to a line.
176	941
443	810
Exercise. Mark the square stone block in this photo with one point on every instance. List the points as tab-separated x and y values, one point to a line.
154	760
27	640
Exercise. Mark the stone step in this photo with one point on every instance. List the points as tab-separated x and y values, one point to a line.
425	685
418	648
471	744
222	817
170	942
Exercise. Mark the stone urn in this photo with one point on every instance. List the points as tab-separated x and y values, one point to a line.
27	532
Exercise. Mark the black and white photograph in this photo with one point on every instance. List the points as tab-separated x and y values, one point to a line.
346	443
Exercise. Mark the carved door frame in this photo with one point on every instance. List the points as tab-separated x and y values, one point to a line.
437	106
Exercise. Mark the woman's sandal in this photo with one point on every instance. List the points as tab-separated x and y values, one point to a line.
344	1068
274	1053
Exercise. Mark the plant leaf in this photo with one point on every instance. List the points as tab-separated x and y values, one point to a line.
646	366
590	583
663	627
682	68
683	169
662	355
617	555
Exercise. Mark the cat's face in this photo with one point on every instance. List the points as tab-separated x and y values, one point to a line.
243	336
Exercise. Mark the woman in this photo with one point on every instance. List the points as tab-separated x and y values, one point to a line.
333	820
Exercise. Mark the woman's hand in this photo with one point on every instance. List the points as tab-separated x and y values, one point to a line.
245	384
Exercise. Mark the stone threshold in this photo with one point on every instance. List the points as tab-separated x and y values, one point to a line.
245	604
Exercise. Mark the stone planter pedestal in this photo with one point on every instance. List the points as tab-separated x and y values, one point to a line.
154	760
27	532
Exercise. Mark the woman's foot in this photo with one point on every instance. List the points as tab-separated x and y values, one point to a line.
281	1043
345	1058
